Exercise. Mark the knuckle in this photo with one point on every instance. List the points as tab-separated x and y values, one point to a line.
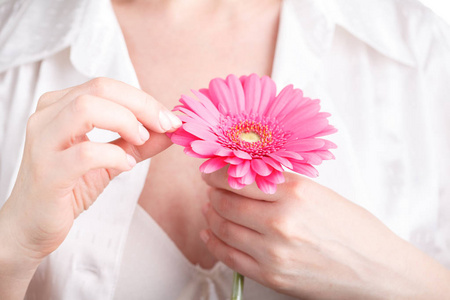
280	226
292	231
300	188
274	280
44	99
81	105
276	255
98	86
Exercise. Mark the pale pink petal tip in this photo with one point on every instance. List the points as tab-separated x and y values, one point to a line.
212	165
266	186
234	183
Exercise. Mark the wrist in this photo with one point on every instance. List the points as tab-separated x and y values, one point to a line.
17	263
411	274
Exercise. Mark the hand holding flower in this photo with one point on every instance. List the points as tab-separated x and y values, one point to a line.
309	242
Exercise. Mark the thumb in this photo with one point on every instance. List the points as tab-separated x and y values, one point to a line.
156	143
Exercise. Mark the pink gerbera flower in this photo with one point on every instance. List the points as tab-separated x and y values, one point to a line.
241	122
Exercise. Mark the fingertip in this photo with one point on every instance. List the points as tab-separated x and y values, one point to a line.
143	134
131	161
168	121
175	121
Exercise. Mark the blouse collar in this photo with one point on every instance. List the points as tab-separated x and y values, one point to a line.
91	29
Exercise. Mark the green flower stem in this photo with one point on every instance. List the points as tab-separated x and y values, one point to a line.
238	286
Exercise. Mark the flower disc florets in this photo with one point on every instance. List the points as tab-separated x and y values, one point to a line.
254	135
241	122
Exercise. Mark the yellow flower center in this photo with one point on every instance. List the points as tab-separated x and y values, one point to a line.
250	137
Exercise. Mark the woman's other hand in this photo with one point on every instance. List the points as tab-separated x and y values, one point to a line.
309	242
62	173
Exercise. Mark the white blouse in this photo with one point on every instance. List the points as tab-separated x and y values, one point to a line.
159	270
380	67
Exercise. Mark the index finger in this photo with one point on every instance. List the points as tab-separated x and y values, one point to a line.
152	114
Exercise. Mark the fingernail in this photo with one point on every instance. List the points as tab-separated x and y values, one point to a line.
204	235
143	133
205	208
131	160
164	121
176	122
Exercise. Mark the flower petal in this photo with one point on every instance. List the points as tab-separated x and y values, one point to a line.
280	101
239	170
304	144
248	178
273	163
208	95
281	160
196	120
242	154
309	109
190	152
304	169
309	128
286	103
233	160
205	147
268	94
260	167
328	130
219	90
275	177
182	137
252	90
289	154
324	154
199	109
312	158
265	185
224	152
199	131
327	145
209	105
295	101
212	165
237	91
234	183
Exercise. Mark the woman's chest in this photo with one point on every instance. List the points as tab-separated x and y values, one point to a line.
169	61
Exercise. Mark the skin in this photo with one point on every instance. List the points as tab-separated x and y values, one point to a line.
309	242
294	246
196	56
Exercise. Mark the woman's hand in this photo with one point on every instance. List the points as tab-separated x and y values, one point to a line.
62	173
309	242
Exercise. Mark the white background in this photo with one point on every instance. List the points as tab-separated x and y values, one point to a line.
440	7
